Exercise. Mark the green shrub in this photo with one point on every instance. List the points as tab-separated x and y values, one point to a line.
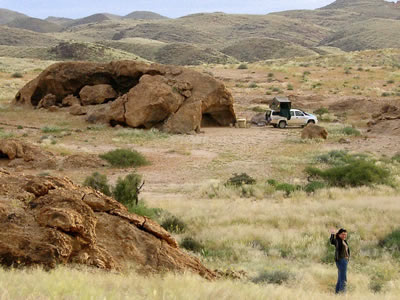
313	186
174	224
191	244
253	85
127	189
287	188
270	75
305	73
243	67
99	182
20	127
385	94
276	90
358	172
274	277
17	75
240	179
335	157
350	131
396	157
290	87
52	129
391	81
272	182
392	241
141	209
124	158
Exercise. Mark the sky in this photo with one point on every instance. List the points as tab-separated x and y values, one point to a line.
170	8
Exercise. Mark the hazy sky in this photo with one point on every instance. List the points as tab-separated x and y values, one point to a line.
170	8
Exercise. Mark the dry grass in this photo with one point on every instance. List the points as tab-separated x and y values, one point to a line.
264	231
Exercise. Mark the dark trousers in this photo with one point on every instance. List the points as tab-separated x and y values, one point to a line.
342	275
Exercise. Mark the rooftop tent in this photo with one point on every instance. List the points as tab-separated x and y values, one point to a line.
283	105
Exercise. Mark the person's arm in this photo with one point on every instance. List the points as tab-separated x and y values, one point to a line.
333	238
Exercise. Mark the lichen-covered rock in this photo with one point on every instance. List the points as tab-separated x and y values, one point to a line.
49	221
150	95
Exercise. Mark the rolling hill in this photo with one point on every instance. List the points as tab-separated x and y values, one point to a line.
345	25
7	16
370	34
34	24
144	15
21	37
256	49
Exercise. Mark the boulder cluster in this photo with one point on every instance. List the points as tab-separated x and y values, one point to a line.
134	94
47	221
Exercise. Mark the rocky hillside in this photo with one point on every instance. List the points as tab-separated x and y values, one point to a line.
347	25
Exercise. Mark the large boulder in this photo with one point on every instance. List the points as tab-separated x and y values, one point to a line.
174	99
312	131
18	153
47	221
97	94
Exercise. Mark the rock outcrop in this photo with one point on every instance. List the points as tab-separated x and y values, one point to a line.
312	131
386	121
30	156
135	94
49	221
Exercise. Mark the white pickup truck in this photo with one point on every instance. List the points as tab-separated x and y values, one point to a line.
297	118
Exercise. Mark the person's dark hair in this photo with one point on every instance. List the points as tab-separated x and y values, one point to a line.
341	230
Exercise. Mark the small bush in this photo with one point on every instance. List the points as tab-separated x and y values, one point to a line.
351	131
253	85
20	127
290	87
313	186
52	129
359	172
99	182
17	75
385	94
174	224
305	73
240	179
142	210
335	157
392	241
276	90
270	75
391	81
126	189
243	67
125	158
191	244
287	188
274	277
396	157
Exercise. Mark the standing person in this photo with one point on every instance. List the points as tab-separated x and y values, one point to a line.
342	255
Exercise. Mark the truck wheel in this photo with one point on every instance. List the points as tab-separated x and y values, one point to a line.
282	124
311	122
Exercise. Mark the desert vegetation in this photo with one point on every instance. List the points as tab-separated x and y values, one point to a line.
257	201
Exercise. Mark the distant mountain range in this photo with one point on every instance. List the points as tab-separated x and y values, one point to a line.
347	25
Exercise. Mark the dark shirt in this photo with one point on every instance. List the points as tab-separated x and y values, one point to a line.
341	251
